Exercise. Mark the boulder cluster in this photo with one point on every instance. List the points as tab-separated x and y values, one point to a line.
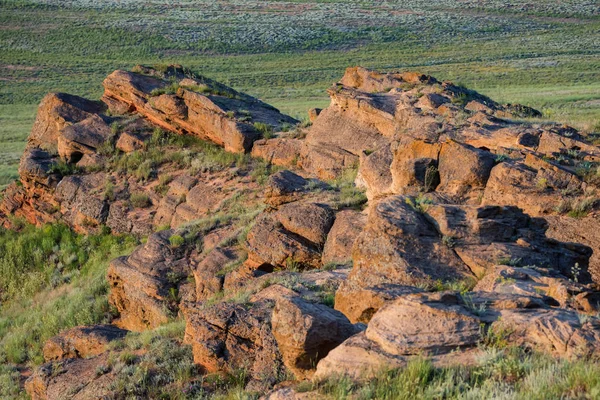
478	220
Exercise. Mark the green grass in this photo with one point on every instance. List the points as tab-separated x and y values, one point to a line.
15	124
51	279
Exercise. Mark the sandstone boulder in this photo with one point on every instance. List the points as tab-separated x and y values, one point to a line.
228	337
397	245
71	379
488	235
340	239
436	324
143	286
556	331
129	141
81	342
462	168
306	332
294	235
414	166
548	285
359	303
449	327
197	105
278	151
209	273
374	172
309	220
372	81
81	138
57	111
424	323
284	187
36	168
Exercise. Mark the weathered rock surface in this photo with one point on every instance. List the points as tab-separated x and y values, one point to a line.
278	151
70	379
209	272
81	342
227	337
294	234
143	285
306	332
359	302
488	235
286	186
397	245
457	191
448	327
408	243
548	285
197	106
434	324
340	239
579	230
56	112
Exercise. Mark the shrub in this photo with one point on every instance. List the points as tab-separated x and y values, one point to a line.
348	194
419	203
581	208
501	158
449	241
265	130
109	191
144	171
261	172
170	89
63	168
176	241
139	200
432	178
163	184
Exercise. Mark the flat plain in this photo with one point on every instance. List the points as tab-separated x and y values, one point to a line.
545	54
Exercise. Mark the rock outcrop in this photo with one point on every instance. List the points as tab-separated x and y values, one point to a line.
307	332
144	285
471	225
181	101
294	234
75	378
81	342
448	327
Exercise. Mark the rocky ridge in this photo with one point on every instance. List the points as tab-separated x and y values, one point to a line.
474	223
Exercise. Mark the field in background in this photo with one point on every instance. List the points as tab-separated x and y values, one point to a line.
545	54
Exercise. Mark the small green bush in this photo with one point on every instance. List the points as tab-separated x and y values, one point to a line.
176	241
139	200
265	130
170	89
63	168
144	171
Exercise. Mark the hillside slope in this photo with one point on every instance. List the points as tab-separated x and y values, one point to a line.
413	218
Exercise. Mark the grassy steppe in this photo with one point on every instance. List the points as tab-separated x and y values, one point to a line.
545	54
